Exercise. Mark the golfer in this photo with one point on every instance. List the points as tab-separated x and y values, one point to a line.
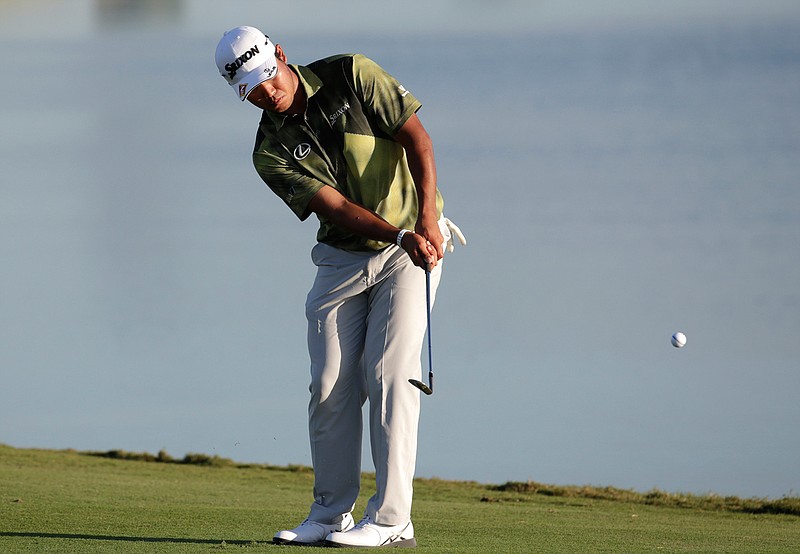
340	138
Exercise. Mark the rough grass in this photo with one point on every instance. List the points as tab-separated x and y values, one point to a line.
116	501
189	459
655	497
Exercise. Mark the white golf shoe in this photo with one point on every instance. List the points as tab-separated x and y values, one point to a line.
368	534
312	533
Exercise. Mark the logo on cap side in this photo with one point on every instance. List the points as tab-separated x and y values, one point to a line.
242	90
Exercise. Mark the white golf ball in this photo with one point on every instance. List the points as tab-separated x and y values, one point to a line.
678	340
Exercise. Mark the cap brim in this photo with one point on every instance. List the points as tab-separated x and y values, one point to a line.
250	80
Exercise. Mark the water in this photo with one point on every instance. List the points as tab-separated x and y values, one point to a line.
615	185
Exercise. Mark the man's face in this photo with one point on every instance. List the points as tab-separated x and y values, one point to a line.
279	94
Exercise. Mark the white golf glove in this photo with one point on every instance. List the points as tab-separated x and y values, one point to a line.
454	232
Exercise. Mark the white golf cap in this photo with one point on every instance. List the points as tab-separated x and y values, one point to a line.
245	58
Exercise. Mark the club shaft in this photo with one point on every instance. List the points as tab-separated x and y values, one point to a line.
428	313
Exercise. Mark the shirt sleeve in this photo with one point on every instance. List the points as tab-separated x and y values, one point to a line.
388	102
291	186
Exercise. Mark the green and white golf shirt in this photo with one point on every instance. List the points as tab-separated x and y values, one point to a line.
345	140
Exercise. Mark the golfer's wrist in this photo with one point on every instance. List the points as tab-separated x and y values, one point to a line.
400	235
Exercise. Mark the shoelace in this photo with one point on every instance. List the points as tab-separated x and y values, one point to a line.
366	520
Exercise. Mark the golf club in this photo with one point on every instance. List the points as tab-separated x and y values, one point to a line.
427	389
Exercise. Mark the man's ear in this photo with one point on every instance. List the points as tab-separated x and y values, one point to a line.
279	53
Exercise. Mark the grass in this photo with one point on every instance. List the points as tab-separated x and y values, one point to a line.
67	501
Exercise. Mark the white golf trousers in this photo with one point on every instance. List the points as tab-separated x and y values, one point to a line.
366	326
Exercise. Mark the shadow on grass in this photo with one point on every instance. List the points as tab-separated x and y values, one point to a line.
78	536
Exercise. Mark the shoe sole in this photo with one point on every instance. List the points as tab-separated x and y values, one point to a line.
403	543
284	542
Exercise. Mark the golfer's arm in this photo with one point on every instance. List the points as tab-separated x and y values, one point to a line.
332	206
419	152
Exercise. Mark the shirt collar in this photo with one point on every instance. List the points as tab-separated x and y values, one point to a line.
311	85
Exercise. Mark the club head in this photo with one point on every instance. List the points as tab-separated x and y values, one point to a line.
421	386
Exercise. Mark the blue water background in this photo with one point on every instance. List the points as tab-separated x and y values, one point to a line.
616	185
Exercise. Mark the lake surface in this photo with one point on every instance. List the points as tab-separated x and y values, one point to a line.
615	184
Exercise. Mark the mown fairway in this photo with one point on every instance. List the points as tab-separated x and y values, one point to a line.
73	502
